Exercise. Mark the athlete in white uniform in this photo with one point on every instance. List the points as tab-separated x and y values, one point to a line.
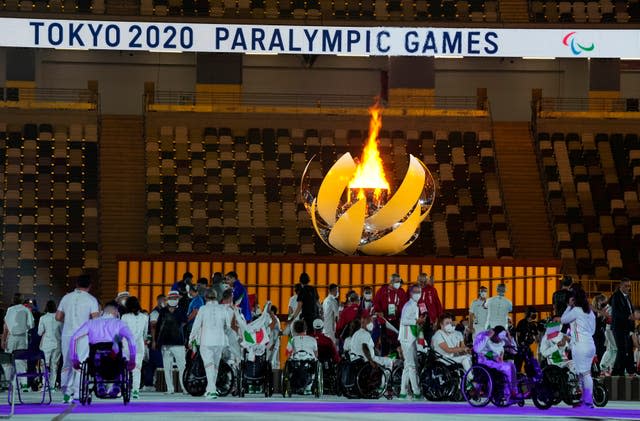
301	346
210	332
50	329
331	310
138	324
449	343
74	309
361	344
17	322
582	322
498	309
410	322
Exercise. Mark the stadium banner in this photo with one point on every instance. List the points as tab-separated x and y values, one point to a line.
299	39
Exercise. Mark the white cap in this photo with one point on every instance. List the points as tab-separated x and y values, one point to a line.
122	294
172	293
318	324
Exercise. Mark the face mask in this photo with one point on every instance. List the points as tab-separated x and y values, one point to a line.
415	297
370	326
502	335
172	303
123	301
396	285
501	293
483	294
163	304
449	328
368	296
337	294
225	287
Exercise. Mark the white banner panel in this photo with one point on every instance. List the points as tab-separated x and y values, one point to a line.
348	41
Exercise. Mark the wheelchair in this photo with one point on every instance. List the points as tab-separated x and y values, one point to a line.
329	377
102	369
440	378
482	384
300	373
357	378
196	382
564	386
253	375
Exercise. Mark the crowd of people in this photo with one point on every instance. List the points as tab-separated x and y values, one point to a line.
396	322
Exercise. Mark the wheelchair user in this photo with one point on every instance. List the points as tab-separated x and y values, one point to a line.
489	347
554	346
361	344
107	328
327	350
449	343
302	350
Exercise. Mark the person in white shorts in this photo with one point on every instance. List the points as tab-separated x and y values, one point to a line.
17	322
74	309
50	329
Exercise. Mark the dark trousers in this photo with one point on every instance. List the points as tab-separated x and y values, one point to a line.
624	357
149	367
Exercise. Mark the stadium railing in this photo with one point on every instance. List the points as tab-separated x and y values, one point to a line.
587	108
44	98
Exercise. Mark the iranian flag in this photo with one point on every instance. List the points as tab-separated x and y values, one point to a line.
256	337
553	329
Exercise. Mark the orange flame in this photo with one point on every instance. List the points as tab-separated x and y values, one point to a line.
370	172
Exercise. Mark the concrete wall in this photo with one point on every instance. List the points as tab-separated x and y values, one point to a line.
121	77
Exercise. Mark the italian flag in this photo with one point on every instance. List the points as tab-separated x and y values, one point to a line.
256	337
553	330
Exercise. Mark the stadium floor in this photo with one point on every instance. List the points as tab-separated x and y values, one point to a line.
157	406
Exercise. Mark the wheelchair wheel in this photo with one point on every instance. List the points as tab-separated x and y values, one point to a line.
240	380
600	394
318	386
267	382
572	392
437	382
371	381
85	392
396	380
225	380
542	396
127	383
477	386
553	379
499	396
286	385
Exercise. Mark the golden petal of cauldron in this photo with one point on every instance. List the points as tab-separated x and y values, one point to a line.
333	185
314	221
396	240
403	200
347	232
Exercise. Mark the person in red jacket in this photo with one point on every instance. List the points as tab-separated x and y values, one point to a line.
327	350
390	299
349	313
429	304
387	304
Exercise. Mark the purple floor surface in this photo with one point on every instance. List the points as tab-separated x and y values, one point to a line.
320	407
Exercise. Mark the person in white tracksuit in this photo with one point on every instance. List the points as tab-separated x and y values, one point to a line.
74	309
582	322
209	332
410	321
17	322
138	324
331	310
50	329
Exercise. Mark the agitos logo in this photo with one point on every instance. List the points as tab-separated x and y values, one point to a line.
569	40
